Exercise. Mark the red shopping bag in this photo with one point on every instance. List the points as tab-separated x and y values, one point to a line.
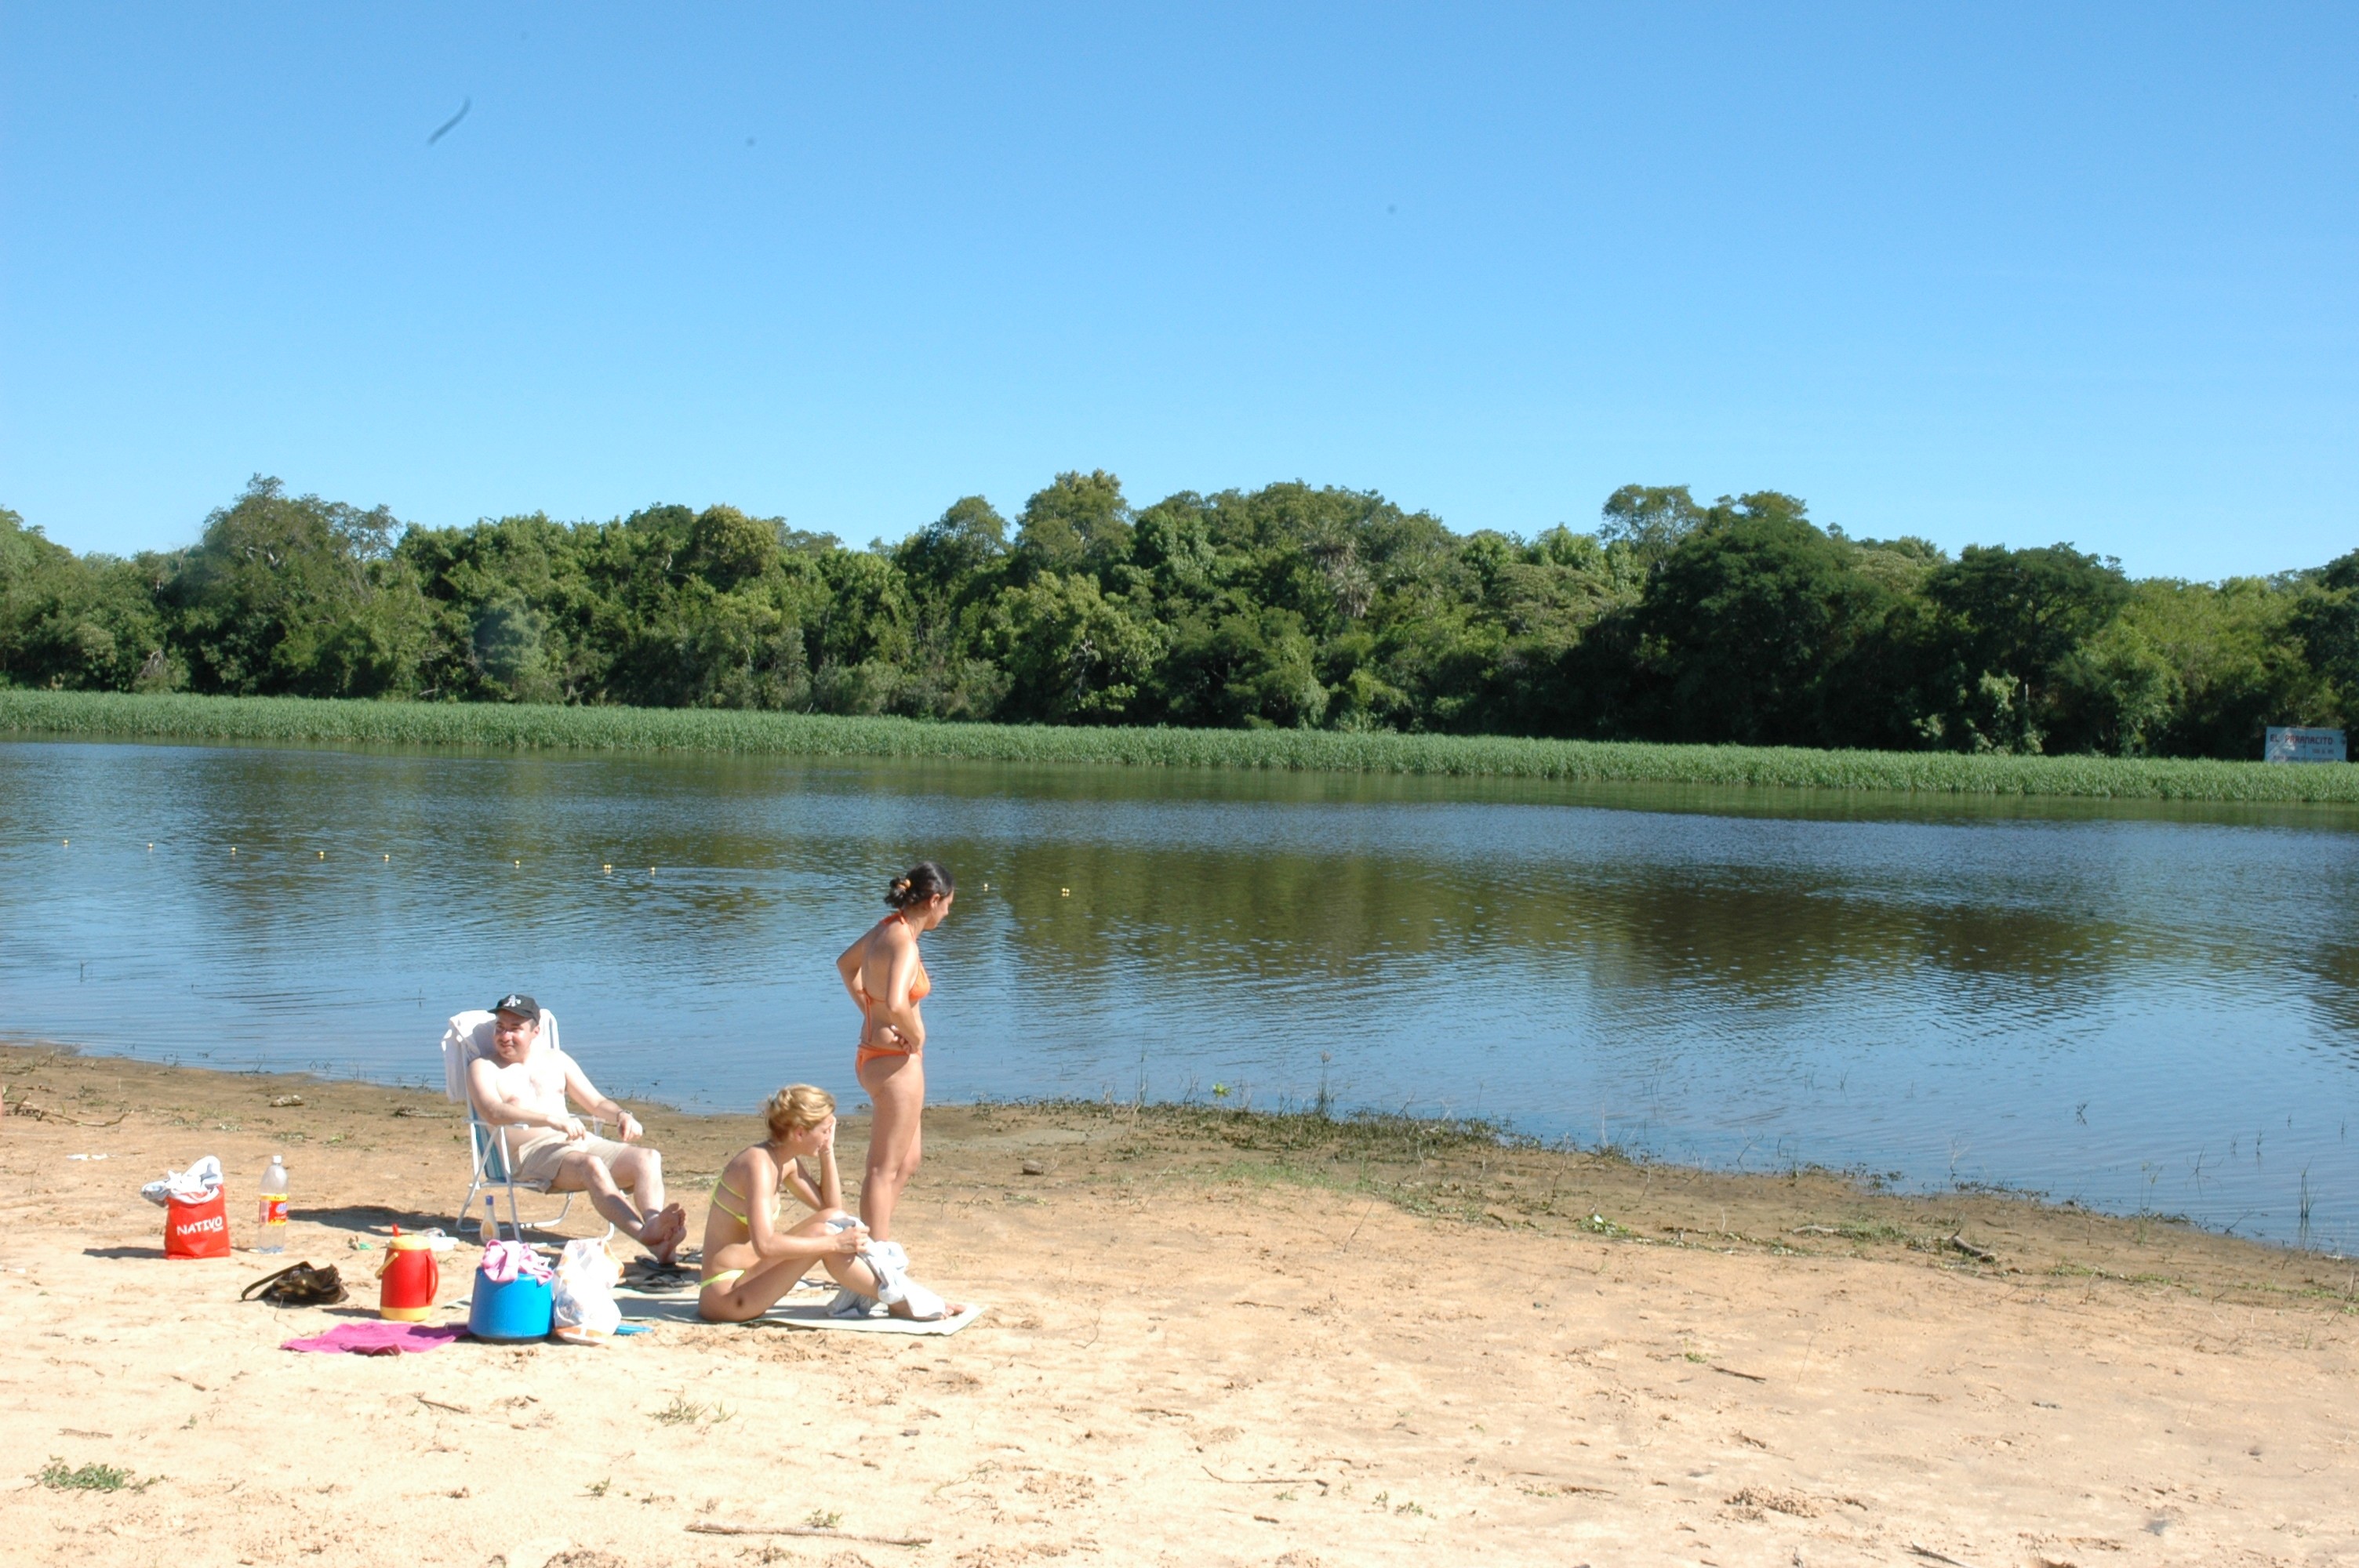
199	1229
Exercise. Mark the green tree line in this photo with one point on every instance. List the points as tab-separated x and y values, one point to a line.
1739	621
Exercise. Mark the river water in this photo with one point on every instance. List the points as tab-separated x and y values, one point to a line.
2138	1008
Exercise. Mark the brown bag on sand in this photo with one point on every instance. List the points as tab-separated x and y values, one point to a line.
298	1285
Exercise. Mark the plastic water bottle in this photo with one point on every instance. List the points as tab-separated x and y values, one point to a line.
273	1228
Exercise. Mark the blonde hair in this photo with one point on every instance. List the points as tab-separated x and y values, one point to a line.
797	1107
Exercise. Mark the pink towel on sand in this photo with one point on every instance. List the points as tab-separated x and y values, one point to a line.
381	1338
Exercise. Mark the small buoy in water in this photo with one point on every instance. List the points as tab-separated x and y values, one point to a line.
232	848
66	843
516	862
1064	893
605	867
388	860
324	854
151	849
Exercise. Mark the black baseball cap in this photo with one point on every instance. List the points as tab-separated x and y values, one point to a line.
517	1002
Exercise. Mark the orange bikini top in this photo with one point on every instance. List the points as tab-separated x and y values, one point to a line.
920	988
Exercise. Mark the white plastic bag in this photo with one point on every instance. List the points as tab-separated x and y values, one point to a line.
584	1298
195	1184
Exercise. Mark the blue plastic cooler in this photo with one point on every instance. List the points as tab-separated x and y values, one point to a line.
522	1308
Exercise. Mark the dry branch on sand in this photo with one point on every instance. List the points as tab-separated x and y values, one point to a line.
704	1527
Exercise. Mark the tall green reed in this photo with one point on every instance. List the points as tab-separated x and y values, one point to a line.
27	712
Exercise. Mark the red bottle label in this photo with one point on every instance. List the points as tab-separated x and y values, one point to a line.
274	1211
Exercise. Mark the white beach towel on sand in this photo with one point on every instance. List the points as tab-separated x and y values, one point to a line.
803	1309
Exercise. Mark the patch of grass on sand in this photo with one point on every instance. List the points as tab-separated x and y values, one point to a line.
1374	1137
1478	1174
59	1476
1430	1166
682	1412
523	727
1889	1234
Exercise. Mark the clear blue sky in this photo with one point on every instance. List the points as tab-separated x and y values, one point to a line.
1986	275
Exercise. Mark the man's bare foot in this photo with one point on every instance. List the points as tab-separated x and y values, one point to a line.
662	1235
674	1222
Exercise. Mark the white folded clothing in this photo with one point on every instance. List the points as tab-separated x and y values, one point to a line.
195	1184
886	1260
890	1264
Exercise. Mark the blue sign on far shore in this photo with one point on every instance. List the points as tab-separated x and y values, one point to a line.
2289	743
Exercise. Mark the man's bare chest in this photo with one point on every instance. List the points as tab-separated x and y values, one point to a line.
536	1082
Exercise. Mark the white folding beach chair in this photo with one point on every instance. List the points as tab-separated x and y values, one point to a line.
470	1036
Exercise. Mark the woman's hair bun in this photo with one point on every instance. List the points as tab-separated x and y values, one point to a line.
920	882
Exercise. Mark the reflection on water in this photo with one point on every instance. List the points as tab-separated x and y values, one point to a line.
2136	1007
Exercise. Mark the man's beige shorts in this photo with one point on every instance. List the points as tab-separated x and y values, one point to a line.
537	1162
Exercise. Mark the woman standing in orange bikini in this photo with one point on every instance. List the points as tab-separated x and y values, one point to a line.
887	979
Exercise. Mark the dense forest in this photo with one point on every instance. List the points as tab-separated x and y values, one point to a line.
1741	620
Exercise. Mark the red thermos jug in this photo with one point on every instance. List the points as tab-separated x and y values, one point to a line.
408	1279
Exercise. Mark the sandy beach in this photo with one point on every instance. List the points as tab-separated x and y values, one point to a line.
1214	1339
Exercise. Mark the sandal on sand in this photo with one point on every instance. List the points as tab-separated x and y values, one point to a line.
647	1272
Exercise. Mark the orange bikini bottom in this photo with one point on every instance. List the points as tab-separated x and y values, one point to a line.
867	1054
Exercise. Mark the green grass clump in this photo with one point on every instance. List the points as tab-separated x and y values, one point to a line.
1360	1136
682	1412
1422	1165
57	1477
520	727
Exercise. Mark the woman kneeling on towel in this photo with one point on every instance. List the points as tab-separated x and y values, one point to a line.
750	1261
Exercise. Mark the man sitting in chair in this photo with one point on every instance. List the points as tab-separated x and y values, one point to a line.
520	1091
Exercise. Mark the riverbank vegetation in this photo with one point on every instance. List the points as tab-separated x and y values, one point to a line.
1361	633
263	718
